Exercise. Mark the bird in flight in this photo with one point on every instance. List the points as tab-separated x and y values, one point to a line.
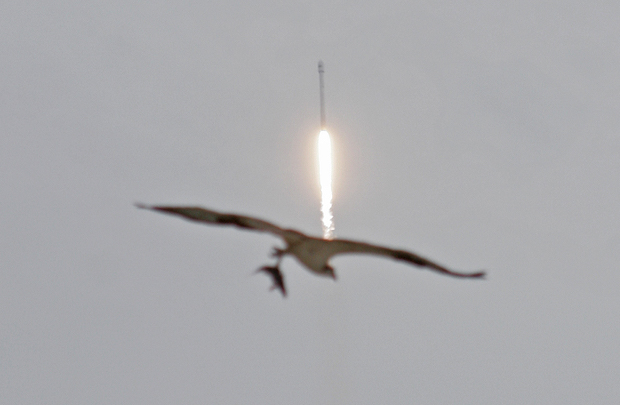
314	253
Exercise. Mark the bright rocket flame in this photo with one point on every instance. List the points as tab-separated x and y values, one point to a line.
325	172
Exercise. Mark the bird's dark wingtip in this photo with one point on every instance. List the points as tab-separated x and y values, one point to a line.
479	274
140	205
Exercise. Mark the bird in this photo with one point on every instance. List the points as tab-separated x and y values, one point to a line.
312	252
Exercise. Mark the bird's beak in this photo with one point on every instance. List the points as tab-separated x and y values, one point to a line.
332	273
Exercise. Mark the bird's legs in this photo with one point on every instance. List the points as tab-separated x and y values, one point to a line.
276	276
274	271
279	253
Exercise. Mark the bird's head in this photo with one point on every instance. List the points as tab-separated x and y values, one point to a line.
329	271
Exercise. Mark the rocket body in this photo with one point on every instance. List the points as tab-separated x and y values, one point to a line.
321	71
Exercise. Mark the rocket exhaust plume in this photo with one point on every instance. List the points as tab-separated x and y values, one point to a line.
325	173
325	168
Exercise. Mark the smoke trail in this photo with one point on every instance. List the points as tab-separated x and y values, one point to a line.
325	173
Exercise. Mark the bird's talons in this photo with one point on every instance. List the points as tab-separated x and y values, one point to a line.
277	252
276	276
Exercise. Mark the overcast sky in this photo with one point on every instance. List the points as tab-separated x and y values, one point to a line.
483	136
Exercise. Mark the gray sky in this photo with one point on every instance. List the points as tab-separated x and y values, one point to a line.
482	135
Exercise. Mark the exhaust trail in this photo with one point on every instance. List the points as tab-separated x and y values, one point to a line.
325	167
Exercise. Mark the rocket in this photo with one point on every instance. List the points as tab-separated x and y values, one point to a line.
321	71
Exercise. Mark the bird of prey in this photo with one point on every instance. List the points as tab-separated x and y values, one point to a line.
314	253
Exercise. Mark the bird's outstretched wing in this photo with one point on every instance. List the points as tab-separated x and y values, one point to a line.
340	246
200	214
